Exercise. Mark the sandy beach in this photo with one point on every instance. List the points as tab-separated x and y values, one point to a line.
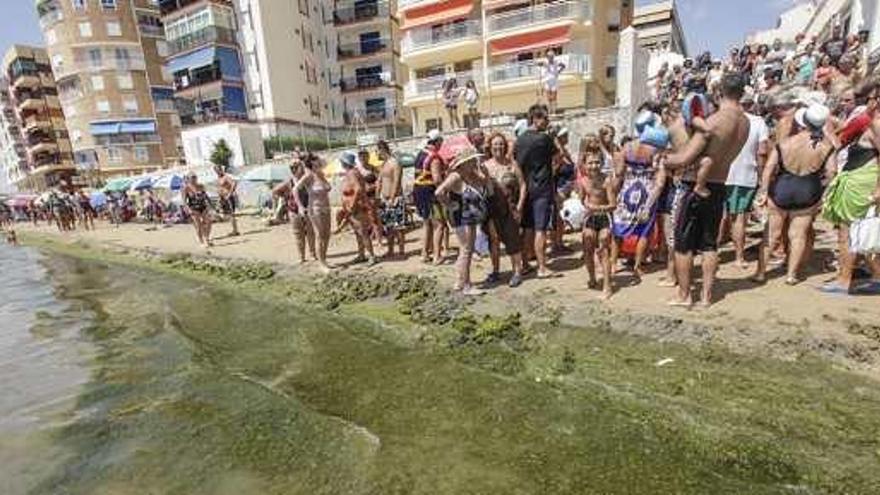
771	319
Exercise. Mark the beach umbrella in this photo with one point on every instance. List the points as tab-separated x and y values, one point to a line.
268	173
141	183
120	184
452	145
97	199
172	182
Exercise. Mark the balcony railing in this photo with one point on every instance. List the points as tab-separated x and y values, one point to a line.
360	83
432	86
372	115
204	36
83	64
575	64
539	14
363	48
152	30
426	37
169	6
356	13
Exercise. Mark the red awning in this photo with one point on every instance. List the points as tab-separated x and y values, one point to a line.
535	40
436	13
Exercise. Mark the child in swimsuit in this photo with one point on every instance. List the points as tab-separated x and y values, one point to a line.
597	192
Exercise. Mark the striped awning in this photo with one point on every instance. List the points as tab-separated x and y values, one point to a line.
437	13
532	41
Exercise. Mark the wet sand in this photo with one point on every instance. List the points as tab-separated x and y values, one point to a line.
772	319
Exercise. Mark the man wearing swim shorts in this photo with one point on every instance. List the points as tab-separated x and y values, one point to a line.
226	188
429	173
723	139
534	153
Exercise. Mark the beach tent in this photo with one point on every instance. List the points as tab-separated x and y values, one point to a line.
119	184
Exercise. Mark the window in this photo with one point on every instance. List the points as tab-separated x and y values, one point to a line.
98	83
141	154
78	4
113	155
125	81
130	105
108	4
103	106
95	57
85	29
614	21
113	28
51	37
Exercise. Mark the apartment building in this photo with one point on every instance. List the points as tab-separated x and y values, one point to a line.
659	27
370	73
206	64
498	44
289	49
13	160
39	120
118	99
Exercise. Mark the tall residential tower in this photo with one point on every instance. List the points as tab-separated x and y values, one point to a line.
107	56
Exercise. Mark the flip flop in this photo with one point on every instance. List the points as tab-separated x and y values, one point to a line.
870	288
680	304
834	289
547	275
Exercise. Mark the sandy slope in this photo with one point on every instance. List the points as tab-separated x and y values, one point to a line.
786	322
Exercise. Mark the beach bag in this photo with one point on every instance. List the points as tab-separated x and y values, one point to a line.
864	234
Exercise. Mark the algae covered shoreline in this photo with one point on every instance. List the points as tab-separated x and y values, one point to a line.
607	412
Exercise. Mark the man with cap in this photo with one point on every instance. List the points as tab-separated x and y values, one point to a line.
726	134
430	169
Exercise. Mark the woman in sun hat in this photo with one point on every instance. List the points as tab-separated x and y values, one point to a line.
465	192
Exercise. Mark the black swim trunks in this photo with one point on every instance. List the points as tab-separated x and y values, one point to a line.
696	229
229	205
598	222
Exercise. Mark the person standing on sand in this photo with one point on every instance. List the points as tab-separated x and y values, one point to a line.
726	134
357	210
297	202
430	169
316	188
227	188
534	152
599	196
198	205
393	212
504	218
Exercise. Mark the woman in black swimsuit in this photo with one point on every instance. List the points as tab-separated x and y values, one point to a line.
792	188
198	204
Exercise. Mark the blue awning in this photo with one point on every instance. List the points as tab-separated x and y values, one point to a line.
122	127
139	127
104	128
198	58
230	65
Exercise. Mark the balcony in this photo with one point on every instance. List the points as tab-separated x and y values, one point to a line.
30	101
358	13
576	66
164	106
538	15
42	145
151	30
365	83
431	87
347	51
34	124
369	115
26	79
204	36
200	77
435	37
169	6
83	64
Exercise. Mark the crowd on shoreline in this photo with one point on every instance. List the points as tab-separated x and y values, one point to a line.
767	135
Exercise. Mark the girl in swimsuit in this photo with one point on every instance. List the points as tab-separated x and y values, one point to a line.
792	187
197	202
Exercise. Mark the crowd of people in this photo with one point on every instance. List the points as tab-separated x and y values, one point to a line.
771	136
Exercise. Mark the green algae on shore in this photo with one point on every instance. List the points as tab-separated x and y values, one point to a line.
280	397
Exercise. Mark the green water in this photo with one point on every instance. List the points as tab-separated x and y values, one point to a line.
194	389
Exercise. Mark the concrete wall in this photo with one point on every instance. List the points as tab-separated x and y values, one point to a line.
245	141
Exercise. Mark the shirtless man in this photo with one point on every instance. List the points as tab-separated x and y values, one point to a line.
393	213
226	188
722	141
